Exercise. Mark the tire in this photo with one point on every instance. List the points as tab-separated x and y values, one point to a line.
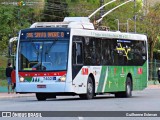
41	96
128	90
90	90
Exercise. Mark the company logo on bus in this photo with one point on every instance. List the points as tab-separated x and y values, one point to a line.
140	70
84	71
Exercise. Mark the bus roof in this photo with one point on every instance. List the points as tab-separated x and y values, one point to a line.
109	34
83	27
69	22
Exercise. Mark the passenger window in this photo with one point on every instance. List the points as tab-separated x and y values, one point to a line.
77	53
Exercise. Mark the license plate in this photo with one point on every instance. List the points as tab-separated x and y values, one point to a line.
41	86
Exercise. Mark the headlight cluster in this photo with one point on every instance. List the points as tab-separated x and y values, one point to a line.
62	78
21	79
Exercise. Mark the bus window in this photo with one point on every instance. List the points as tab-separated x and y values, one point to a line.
77	53
43	55
74	53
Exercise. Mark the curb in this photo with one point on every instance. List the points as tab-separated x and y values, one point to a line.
13	95
153	87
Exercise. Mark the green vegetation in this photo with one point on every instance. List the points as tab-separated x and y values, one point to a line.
3	62
54	10
3	83
13	18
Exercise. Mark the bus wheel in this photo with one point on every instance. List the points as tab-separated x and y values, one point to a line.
41	97
128	92
90	90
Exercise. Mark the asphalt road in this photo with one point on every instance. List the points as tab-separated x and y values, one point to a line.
146	100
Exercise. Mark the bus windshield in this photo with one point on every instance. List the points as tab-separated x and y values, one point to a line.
43	55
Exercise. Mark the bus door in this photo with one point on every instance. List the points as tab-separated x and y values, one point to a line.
77	63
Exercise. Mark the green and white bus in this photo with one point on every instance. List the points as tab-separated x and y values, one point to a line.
72	58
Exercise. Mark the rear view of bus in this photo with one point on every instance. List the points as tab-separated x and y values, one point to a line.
42	59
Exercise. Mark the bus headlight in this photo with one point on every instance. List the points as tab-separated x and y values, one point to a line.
62	78
21	79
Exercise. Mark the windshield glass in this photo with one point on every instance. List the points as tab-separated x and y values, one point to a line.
40	55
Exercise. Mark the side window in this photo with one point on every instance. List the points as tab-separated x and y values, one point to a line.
106	52
77	51
74	53
97	51
123	51
79	54
92	51
139	52
88	51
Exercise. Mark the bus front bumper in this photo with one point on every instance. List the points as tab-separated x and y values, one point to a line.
41	87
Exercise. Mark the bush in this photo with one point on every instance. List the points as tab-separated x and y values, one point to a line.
2	74
3	83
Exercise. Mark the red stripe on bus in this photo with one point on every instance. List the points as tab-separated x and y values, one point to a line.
31	74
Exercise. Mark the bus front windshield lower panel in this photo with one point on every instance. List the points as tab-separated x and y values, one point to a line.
43	55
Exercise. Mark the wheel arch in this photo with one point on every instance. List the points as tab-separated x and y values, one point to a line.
130	76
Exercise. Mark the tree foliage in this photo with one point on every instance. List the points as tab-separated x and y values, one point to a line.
12	19
150	25
55	10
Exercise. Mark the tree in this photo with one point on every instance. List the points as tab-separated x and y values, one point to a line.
82	8
151	23
12	19
55	10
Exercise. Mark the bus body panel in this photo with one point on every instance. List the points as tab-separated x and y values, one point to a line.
110	79
41	87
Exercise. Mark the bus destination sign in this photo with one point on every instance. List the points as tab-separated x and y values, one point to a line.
45	35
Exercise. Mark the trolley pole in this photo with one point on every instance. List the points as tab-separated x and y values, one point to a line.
99	20
100	8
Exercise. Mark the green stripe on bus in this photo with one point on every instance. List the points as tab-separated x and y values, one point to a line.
102	79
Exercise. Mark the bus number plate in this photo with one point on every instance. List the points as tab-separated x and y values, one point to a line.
49	78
